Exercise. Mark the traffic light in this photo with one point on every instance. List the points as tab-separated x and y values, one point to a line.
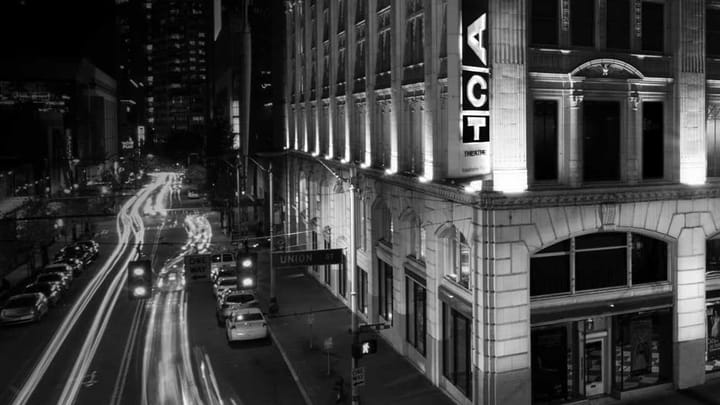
247	270
367	346
140	279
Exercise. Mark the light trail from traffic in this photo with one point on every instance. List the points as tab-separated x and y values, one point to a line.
128	225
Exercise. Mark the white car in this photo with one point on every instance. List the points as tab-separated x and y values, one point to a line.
30	307
193	194
246	324
234	300
217	261
223	284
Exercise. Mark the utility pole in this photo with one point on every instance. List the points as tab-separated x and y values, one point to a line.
353	283
271	222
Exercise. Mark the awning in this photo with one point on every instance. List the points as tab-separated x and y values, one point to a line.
567	313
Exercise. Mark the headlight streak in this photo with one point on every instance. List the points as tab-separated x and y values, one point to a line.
102	318
76	310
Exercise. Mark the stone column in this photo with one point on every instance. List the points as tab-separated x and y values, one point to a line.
508	94
688	20
689	304
573	171
634	129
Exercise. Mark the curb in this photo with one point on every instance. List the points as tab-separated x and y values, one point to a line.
304	393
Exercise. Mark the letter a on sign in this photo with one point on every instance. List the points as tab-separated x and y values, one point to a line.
475	33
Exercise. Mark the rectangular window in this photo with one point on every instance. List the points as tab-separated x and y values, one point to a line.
328	272
314	241
544	23
456	349
712	32
342	280
601	140
545	139
416	317
652	137
600	268
550	274
712	140
362	290
618	24
653	26
712	256
582	22
649	260
385	293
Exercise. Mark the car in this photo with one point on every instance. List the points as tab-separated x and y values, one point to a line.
55	278
62	268
91	246
51	291
76	264
224	283
223	272
193	194
232	300
76	251
20	308
246	324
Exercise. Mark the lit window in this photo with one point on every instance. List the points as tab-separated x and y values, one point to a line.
456	256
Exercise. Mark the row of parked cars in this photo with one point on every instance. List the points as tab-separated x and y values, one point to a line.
237	308
50	284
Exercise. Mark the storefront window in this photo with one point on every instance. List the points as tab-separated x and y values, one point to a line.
712	256
456	349
642	350
555	369
712	354
385	293
416	316
362	290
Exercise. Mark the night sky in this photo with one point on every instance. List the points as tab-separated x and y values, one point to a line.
67	28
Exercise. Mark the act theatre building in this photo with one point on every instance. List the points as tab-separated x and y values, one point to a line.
536	211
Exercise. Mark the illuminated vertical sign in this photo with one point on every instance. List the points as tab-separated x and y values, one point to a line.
475	73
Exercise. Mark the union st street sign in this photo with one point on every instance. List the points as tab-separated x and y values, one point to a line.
308	258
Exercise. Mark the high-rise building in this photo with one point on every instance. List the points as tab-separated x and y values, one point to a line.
131	73
537	212
178	37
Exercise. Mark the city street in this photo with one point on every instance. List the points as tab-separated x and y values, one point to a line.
167	349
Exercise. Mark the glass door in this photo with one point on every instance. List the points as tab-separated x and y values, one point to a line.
594	367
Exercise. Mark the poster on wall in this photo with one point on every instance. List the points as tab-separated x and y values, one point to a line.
475	94
713	338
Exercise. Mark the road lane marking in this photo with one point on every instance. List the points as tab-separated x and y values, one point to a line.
125	361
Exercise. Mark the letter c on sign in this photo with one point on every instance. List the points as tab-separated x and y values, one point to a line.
474	81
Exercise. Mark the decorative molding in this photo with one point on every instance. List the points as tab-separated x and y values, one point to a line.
607	68
607	213
576	98
616	196
634	100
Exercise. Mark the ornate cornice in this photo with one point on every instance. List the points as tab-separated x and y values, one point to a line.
565	197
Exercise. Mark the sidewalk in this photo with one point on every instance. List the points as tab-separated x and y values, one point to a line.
104	229
389	377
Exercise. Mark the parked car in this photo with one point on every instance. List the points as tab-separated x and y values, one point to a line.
220	260
246	324
193	194
76	264
21	308
223	272
232	300
51	291
90	246
224	283
62	268
55	278
75	252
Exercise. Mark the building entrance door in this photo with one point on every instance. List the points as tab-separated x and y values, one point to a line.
595	366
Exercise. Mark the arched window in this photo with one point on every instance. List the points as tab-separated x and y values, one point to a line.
410	227
596	261
382	221
455	255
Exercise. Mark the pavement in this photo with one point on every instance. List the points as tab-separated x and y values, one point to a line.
312	330
101	231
